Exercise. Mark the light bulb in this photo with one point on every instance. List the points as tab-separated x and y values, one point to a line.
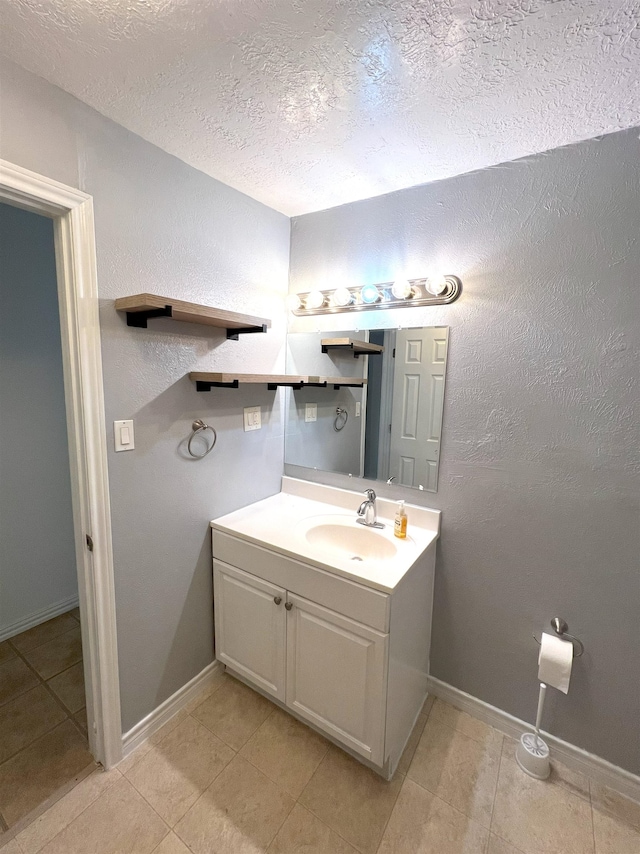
342	296
369	294
436	285
314	300
294	302
402	289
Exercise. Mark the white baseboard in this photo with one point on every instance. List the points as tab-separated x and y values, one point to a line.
38	617
165	711
598	769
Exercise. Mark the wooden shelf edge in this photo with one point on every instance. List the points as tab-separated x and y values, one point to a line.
140	307
354	345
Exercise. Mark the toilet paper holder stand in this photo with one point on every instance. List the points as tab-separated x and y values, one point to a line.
561	628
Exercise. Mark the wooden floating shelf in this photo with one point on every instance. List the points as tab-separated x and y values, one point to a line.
357	347
141	307
205	381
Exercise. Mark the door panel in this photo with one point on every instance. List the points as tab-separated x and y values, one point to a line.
335	676
418	397
250	627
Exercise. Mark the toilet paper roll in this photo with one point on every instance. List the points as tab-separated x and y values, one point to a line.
555	662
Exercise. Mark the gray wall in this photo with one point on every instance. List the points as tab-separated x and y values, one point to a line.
165	228
37	555
315	443
539	476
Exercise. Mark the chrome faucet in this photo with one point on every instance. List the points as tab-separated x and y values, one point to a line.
367	510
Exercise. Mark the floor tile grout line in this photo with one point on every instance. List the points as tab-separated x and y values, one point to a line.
337	832
593	820
281	825
275	782
11	640
465	734
43	682
52	693
386	824
449	804
171	827
306	809
308	783
236	749
457	809
59	703
37	812
75	818
23	653
495	793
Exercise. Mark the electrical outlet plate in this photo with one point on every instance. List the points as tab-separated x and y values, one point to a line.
311	412
252	418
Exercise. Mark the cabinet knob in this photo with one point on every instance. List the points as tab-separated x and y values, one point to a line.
288	605
277	599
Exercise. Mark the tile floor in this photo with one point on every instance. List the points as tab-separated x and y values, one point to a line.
232	774
43	743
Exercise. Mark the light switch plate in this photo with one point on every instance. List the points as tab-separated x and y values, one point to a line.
252	418
311	412
357	409
123	435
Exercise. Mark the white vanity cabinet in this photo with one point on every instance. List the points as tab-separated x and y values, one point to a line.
323	666
336	676
251	627
349	659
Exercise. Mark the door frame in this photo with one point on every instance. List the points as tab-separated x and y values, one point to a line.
72	213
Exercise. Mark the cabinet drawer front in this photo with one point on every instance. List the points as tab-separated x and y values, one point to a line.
336	673
250	627
356	601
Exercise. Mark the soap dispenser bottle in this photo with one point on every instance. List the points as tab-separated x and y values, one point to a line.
400	524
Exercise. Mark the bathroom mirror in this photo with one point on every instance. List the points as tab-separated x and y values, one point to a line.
386	420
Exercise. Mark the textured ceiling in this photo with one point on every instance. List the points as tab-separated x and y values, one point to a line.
306	104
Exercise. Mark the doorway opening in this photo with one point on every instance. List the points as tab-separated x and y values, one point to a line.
43	731
57	615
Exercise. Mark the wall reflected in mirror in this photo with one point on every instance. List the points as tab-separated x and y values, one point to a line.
391	426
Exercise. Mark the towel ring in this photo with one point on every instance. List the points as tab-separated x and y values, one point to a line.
197	427
339	422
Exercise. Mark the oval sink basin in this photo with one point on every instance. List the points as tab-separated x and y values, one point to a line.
351	541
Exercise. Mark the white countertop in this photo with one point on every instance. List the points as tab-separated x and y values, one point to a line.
281	523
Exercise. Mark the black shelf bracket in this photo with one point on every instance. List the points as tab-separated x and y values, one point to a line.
232	334
274	386
139	318
336	386
326	347
203	385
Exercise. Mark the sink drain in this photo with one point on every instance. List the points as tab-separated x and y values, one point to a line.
357	557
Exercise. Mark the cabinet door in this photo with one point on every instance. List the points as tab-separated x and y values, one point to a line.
250	625
336	673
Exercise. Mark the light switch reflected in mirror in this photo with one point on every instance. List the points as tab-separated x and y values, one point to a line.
394	424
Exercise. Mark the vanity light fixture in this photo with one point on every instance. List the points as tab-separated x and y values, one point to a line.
436	285
293	302
342	297
403	293
401	289
370	294
315	300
